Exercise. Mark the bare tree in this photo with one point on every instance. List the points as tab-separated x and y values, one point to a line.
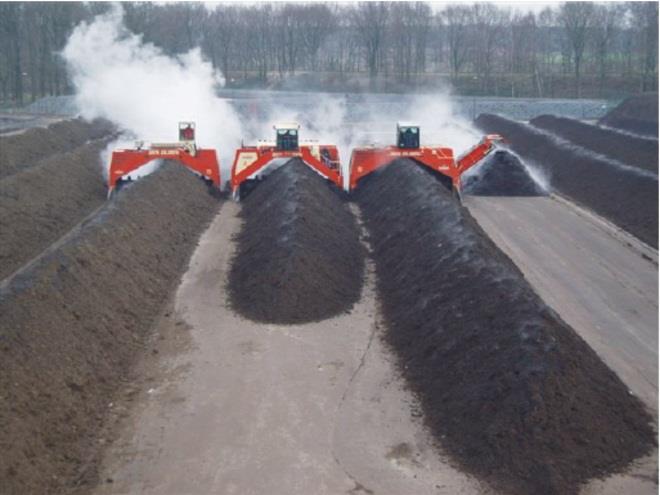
223	34
576	18
421	28
488	27
599	49
436	42
10	21
457	19
317	22
645	16
139	17
370	20
525	50
606	19
401	39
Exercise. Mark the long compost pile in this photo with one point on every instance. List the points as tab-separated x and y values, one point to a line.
298	257
39	204
630	150
509	390
637	114
626	196
72	324
21	151
500	174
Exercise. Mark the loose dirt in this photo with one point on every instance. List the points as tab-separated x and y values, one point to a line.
500	174
299	257
509	390
630	150
24	150
72	324
620	194
39	204
637	114
251	408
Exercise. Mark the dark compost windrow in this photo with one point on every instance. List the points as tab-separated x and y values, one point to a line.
637	114
509	390
500	174
299	256
628	149
24	150
625	196
41	203
72	324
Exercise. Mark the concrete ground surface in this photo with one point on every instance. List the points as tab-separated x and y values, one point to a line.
230	406
602	281
249	408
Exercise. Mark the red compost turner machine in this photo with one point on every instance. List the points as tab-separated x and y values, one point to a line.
366	160
250	162
201	161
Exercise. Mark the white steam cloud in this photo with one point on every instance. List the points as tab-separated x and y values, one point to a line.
333	119
145	92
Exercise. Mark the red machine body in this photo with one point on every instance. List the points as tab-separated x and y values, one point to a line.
366	160
202	161
440	159
250	160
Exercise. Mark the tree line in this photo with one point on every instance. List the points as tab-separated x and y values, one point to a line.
577	49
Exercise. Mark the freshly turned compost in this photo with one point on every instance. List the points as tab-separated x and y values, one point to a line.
509	390
72	325
298	256
626	196
637	114
39	204
500	174
630	150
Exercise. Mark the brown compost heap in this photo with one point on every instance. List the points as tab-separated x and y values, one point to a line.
509	390
298	256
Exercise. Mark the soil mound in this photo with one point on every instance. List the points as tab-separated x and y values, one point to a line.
500	174
626	197
629	150
298	256
41	203
637	114
72	324
509	390
26	149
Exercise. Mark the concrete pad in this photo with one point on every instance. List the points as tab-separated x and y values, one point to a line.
601	280
230	406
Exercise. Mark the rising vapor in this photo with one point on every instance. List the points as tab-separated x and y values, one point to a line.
145	92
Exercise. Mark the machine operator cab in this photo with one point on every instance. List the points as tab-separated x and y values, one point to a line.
187	132
407	136
286	136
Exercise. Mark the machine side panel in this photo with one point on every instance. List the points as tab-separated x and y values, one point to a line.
204	162
366	160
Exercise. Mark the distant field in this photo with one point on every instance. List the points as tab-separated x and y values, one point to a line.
360	104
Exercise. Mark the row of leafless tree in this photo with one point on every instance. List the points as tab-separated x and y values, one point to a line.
483	48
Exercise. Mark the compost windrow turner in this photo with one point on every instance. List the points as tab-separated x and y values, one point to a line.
204	162
440	159
250	162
